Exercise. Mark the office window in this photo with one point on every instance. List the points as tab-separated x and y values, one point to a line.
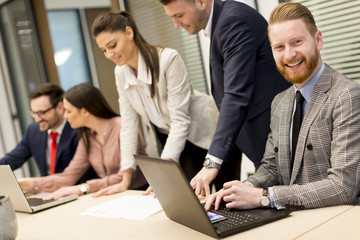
158	29
69	47
339	22
24	69
22	52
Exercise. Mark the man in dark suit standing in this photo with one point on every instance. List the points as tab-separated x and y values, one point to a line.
47	110
244	80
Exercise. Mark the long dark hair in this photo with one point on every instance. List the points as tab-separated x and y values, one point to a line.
91	99
112	22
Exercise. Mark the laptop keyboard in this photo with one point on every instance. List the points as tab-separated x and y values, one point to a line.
37	201
235	218
234	221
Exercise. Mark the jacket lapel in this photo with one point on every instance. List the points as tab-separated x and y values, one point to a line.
42	163
216	14
133	95
284	131
317	100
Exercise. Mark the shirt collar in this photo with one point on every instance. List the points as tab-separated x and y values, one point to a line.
143	75
307	90
207	30
58	129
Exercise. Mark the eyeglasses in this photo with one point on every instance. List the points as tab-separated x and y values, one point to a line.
40	113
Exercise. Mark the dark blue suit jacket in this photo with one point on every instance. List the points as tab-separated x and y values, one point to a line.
34	143
244	79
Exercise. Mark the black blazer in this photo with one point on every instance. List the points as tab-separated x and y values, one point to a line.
244	79
34	143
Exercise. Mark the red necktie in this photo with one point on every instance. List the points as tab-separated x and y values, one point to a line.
53	136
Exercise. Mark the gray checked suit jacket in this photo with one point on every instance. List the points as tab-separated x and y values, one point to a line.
326	167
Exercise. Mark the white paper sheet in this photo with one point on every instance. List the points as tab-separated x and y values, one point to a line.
128	207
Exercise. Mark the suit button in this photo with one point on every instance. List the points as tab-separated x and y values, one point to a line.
276	149
309	147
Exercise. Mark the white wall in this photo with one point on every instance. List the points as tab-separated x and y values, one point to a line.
266	6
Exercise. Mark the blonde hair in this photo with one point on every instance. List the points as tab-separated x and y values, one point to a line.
291	11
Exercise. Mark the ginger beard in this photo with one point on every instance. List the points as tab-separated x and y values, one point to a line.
303	73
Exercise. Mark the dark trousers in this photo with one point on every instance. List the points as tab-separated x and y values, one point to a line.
192	158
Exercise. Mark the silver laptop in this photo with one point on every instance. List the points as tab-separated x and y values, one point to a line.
181	205
21	203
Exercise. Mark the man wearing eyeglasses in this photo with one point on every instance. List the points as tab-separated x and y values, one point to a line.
50	139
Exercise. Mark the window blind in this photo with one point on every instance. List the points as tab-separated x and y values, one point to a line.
339	22
158	29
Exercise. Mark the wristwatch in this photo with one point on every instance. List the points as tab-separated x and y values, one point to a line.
264	200
83	188
208	163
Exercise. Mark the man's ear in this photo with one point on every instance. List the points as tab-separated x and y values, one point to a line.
60	106
319	40
201	4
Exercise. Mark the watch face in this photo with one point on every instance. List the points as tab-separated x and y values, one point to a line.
83	188
211	164
207	162
264	201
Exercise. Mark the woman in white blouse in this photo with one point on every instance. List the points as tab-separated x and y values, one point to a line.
153	86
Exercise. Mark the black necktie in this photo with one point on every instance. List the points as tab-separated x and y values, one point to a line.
296	123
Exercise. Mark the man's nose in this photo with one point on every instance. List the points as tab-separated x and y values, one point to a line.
177	23
37	118
290	53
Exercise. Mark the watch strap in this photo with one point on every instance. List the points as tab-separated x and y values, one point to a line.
265	192
209	163
83	188
265	199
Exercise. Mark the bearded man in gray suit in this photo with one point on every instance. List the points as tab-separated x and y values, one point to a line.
323	168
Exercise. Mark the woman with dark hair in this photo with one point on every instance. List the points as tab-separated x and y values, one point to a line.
99	146
153	86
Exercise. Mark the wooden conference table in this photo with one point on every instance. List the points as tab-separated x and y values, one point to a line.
63	222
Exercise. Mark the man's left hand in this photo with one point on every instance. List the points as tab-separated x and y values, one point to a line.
236	195
201	182
26	184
